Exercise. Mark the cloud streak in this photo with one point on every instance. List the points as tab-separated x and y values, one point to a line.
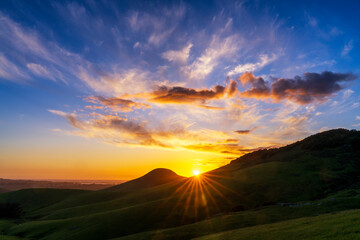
218	48
250	67
120	104
180	56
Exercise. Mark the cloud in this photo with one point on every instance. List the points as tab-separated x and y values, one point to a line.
250	67
313	22
231	88
9	70
25	45
41	71
186	95
218	49
113	129
357	117
223	148
259	87
312	87
180	56
120	104
160	25
118	82
347	48
183	95
245	132
120	131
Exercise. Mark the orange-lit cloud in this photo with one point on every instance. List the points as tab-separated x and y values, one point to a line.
165	94
225	148
121	131
183	95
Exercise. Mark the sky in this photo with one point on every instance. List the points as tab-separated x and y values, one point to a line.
113	89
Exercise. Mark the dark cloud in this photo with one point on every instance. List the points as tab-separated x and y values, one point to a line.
259	87
232	87
243	131
312	87
165	94
182	95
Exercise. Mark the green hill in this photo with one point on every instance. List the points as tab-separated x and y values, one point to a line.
317	175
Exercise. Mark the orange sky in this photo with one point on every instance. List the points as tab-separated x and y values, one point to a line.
91	159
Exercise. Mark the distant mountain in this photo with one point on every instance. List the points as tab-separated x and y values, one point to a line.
7	185
317	175
153	178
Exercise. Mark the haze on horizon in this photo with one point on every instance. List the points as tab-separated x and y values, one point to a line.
114	89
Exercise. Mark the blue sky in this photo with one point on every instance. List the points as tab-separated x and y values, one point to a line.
170	79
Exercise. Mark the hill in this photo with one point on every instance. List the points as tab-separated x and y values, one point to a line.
317	175
151	179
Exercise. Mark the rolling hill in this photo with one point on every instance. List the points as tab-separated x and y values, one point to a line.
317	175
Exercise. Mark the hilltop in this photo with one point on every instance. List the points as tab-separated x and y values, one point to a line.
314	176
153	178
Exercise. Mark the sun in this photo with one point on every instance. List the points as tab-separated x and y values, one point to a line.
196	172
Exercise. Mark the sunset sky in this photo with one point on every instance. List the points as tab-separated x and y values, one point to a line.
114	89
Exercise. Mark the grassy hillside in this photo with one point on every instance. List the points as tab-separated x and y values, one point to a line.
32	199
340	226
257	188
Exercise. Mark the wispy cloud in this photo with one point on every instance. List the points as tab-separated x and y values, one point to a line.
218	48
119	82
251	67
180	56
117	104
159	28
347	48
10	71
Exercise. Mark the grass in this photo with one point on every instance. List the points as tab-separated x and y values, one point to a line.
4	224
33	199
248	218
4	237
339	226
